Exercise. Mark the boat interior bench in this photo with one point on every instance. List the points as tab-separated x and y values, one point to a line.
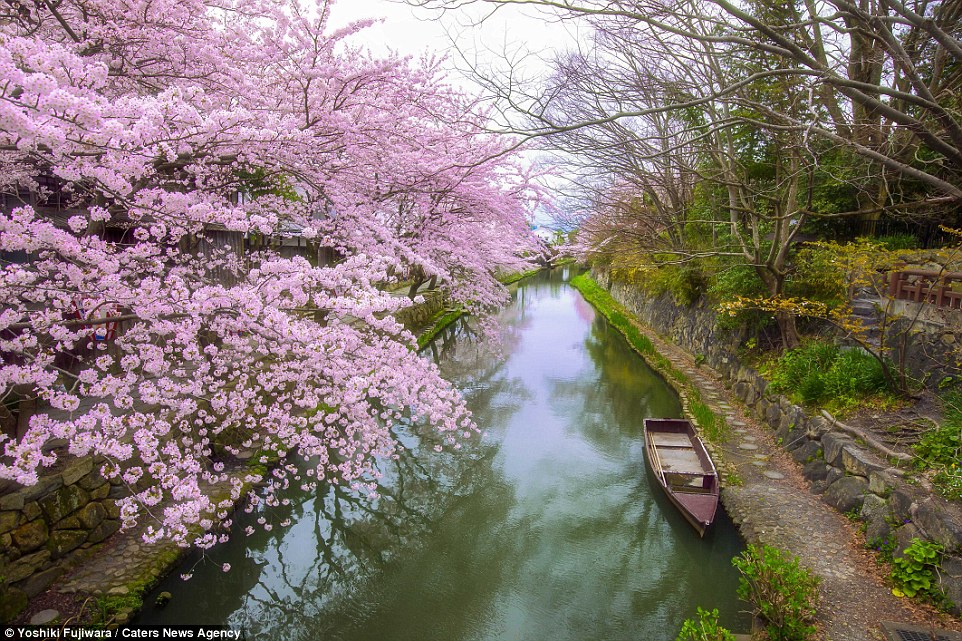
697	483
684	471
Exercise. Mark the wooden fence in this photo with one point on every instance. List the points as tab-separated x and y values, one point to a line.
942	289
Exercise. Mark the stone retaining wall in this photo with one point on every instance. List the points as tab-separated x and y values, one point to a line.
47	528
417	316
848	475
930	340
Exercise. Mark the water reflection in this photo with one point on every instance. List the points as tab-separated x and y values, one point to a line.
548	528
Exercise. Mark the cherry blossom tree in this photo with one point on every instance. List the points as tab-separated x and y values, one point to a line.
169	125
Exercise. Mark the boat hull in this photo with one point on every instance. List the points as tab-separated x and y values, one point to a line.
684	470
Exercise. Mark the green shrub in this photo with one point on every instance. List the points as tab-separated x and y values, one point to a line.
855	373
704	628
822	374
740	281
942	446
948	482
782	592
686	283
800	371
914	571
895	242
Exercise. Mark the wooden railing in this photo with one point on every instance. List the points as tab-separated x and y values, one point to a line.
942	289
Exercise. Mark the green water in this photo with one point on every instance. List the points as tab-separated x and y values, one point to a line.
550	529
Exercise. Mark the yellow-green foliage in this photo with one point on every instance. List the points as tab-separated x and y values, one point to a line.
704	627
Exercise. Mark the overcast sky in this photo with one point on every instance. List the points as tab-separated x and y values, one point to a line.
523	33
412	31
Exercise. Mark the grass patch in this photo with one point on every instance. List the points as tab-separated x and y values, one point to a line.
940	448
442	320
514	277
714	427
821	374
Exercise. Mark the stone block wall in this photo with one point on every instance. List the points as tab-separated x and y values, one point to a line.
930	341
47	528
847	474
417	316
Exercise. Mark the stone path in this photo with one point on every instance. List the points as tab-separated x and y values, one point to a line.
128	561
773	505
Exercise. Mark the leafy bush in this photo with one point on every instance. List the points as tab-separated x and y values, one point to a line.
948	482
819	276
782	592
704	628
685	283
914	571
855	373
942	446
897	242
740	281
822	374
800	370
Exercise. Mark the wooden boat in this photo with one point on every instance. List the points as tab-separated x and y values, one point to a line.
684	469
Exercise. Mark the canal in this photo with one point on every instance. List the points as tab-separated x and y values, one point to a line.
547	527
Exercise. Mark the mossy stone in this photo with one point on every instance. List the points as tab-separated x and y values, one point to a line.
64	502
30	536
40	581
102	531
91	515
847	493
12	501
100	492
76	470
63	541
26	566
31	511
9	521
12	603
42	488
113	510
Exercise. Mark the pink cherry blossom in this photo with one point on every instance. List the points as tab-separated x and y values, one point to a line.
172	125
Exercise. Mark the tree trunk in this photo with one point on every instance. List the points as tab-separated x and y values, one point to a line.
414	288
8	422
788	330
26	409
